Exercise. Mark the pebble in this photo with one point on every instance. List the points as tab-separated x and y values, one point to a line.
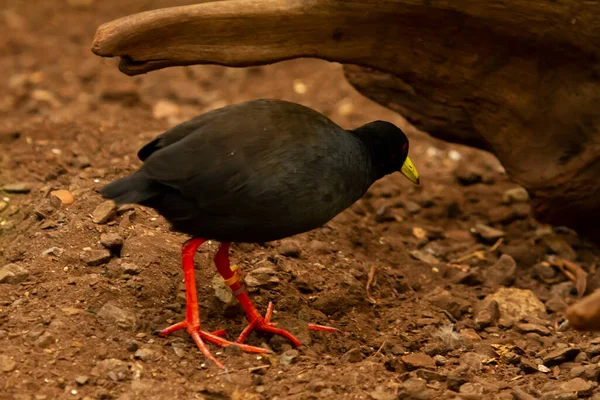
114	369
290	248
64	196
7	364
384	214
262	277
125	319
352	356
424	256
13	273
289	357
132	346
130	268
470	334
458	235
104	212
145	354
222	291
45	340
21	187
486	313
440	359
515	195
72	310
516	304
3	205
502	214
418	360
446	301
468	175
319	247
559	356
488	233
536	328
81	380
412	207
112	241
94	258
503	273
414	389
163	109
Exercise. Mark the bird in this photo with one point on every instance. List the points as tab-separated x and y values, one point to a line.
255	172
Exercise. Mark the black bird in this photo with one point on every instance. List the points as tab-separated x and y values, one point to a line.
255	172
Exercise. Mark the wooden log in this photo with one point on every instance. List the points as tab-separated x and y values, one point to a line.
521	80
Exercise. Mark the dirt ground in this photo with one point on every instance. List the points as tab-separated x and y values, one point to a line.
413	277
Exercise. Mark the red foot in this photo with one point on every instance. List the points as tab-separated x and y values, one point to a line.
214	337
192	314
259	323
256	321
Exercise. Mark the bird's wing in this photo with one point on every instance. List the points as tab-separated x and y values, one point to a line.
250	153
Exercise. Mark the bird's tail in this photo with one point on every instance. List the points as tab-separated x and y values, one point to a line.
135	188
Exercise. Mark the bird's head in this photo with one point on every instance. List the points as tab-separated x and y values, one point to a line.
388	147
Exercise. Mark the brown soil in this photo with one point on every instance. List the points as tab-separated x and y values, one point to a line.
70	120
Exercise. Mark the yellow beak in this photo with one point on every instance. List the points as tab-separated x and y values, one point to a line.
409	171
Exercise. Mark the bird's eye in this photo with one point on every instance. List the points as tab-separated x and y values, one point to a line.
405	147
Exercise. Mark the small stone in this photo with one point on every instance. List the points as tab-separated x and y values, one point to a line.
424	256
132	346
81	162
290	248
165	109
440	359
124	318
64	196
262	277
412	207
468	175
3	205
471	388
112	241
414	389
418	360
515	195
559	356
470	334
21	187
352	356
7	364
528	366
289	357
13	273
222	291
114	369
488	233
144	354
545	272
104	212
502	214
458	235
45	340
536	328
95	257
130	268
454	305
580	386
516	304
486	313
319	247
384	214
503	273
72	310
81	380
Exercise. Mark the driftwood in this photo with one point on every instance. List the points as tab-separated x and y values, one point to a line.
520	79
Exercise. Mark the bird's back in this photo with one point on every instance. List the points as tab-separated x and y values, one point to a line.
256	171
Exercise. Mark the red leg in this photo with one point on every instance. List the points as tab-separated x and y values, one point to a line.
192	314
255	320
